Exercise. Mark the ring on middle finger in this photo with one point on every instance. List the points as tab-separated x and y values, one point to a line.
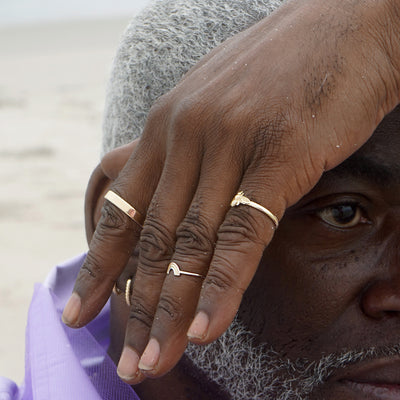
240	198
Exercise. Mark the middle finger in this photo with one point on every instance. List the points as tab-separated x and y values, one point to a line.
195	240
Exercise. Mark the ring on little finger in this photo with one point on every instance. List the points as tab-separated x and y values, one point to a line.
127	292
116	289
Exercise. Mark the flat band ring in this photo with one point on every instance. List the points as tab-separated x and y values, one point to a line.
178	272
125	207
240	198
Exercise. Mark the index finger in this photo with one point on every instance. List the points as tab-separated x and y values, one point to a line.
113	242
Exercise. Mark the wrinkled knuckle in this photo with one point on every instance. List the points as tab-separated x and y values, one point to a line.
185	108
155	242
188	114
91	267
159	108
140	312
149	269
240	227
171	309
220	279
193	234
112	221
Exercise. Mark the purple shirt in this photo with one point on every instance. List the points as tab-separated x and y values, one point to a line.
63	363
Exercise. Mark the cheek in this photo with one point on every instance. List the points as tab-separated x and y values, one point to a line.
298	297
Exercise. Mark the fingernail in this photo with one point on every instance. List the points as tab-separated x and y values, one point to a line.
72	310
150	355
199	327
128	364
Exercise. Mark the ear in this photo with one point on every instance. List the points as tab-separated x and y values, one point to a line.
99	182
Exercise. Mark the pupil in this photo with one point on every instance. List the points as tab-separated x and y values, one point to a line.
343	213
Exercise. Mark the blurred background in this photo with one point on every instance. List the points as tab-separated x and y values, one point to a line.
55	58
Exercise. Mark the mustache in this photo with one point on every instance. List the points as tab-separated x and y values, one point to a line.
244	369
314	373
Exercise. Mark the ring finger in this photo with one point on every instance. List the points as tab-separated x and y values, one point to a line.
157	242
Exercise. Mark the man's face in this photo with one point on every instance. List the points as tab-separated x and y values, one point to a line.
324	306
330	280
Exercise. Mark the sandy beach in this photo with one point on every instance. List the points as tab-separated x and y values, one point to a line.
52	86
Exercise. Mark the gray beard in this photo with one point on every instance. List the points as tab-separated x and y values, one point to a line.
248	371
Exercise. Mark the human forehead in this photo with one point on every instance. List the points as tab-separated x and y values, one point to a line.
384	145
378	159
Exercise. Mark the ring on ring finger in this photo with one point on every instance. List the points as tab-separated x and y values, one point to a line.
174	267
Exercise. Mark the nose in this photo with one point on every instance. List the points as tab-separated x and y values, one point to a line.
382	298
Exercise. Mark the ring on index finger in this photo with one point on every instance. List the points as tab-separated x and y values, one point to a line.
125	207
240	198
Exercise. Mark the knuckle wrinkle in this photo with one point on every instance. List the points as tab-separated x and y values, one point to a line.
171	308
141	313
155	242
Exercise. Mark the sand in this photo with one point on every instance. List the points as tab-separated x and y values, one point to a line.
52	85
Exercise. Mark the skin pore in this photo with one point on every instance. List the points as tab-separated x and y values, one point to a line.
322	314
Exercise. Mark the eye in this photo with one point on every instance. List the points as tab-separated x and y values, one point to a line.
343	215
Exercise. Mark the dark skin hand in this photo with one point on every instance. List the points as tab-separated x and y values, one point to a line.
249	117
327	283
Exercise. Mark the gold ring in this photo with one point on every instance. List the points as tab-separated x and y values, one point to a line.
178	272
116	289
240	198
125	207
128	292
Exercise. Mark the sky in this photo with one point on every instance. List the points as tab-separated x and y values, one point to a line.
36	11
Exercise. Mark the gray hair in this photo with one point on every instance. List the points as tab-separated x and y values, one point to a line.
159	46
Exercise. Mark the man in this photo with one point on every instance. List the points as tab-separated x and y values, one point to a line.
321	318
266	113
319	321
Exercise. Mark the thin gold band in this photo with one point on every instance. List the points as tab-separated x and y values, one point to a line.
178	272
125	207
116	289
240	198
128	292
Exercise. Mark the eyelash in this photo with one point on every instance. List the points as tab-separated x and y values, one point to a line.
359	215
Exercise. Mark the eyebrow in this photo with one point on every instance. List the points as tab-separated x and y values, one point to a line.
363	167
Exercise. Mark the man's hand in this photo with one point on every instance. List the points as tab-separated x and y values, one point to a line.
267	112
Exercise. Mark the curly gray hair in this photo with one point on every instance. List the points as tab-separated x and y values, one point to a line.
159	46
